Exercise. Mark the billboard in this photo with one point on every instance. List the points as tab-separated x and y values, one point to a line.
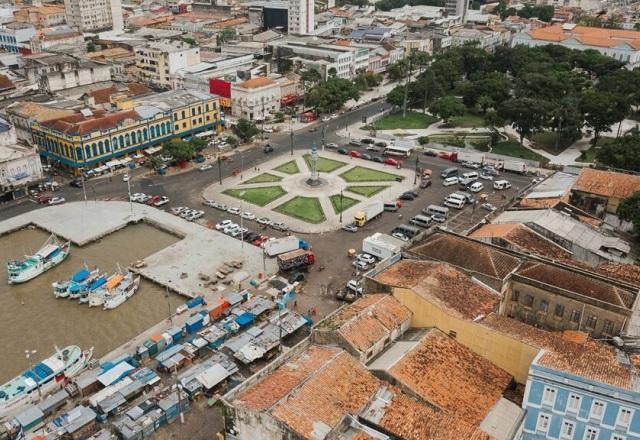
220	87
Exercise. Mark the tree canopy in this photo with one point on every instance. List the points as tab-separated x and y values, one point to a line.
629	210
623	152
446	107
245	129
331	95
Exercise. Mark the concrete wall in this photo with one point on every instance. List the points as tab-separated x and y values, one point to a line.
510	354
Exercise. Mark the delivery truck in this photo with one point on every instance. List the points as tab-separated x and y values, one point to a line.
368	213
296	259
381	246
277	246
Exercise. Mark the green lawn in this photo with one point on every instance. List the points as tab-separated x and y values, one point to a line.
412	120
307	209
264	178
258	196
347	202
366	191
455	141
363	174
546	140
324	165
468	120
290	167
513	149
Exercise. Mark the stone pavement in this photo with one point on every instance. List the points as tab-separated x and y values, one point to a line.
295	185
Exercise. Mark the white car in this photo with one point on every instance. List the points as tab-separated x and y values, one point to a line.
354	286
210	203
56	200
234	211
369	259
144	198
163	201
136	197
372	147
476	187
178	209
243	230
332	145
248	216
485	176
230	228
333	116
234	232
206	167
223	224
125	177
195	215
400	235
264	221
326	118
268	130
361	265
186	213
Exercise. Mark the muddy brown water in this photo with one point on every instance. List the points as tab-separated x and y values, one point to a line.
31	318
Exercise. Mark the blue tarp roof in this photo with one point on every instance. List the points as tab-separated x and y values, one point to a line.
169	352
116	373
244	319
97	283
80	275
39	372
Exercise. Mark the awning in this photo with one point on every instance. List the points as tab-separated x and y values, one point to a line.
126	160
113	163
152	150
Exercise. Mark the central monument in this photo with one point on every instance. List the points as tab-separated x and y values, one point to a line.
314	179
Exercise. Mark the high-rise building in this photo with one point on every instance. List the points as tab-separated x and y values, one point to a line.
457	7
94	15
301	17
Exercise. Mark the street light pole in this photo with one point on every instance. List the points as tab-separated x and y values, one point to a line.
324	129
340	206
291	136
28	354
415	176
220	168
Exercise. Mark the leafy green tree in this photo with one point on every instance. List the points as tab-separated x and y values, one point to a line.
622	82
485	102
589	20
629	210
190	41
543	13
495	86
311	76
233	141
245	130
525	114
179	149
198	144
153	162
91	46
424	90
602	110
623	153
278	117
331	95
332	72
226	34
446	107
566	119
396	96
398	71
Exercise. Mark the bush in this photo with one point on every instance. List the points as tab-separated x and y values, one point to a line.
423	140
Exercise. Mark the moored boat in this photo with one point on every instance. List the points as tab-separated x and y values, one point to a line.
125	290
48	256
83	297
43	378
78	282
98	296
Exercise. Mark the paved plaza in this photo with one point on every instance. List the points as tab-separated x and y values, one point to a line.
279	189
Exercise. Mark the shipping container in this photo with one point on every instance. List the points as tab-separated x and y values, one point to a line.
205	317
194	323
219	309
152	347
245	319
195	302
176	333
168	339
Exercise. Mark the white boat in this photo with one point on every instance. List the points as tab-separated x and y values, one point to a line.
83	295
43	378
98	296
125	290
48	256
79	282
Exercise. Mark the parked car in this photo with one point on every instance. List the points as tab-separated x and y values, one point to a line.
331	145
488	207
206	167
125	177
354	286
342	151
378	159
476	187
295	277
267	149
186	213
425	183
56	200
163	201
400	236
485	176
373	148
279	226
365	156
248	216
153	200
250	237
393	162
381	144
137	197
195	215
177	210
221	207
367	141
264	221
210	203
77	183
355	143
312	129
234	211
355	153
361	265
369	259
260	241
438	218
491	170
223	224
407	196
351	227
334	116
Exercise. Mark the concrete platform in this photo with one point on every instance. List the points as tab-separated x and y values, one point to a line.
200	251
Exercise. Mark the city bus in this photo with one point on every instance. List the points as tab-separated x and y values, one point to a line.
397	151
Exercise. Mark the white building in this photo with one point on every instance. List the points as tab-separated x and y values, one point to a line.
16	37
623	45
457	7
255	99
158	61
83	74
347	61
20	166
94	15
301	17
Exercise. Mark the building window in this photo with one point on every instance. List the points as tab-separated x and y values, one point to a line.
145	134
177	127
184	125
597	409
515	295
543	423
608	327
543	306
153	132
567	430
127	139
573	404
94	149
453	333
591	434
559	311
591	321
549	396
624	417
575	316
133	137
193	112
528	301
78	153
618	437
206	107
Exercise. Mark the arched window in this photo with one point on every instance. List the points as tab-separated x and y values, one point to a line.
162	129
107	146
101	147
139	136
127	139
78	153
121	141
133	137
153	132
168	126
144	133
87	151
94	148
114	143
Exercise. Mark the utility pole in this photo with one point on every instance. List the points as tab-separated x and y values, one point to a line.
324	129
340	206
291	137
179	389
166	295
415	176
263	116
406	90
220	168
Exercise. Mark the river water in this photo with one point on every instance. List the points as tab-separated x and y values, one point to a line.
31	318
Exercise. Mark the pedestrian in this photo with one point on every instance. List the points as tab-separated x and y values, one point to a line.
295	304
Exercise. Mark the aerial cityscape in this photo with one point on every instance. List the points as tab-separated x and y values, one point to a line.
320	219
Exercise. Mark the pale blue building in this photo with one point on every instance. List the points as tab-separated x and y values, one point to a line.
592	394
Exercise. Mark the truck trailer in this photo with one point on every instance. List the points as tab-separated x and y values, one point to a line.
295	259
381	246
368	213
277	246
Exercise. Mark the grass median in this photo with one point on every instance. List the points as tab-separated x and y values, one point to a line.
307	209
257	196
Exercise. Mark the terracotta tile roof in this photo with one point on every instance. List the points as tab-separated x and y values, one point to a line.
468	254
111	53
539	203
39	112
6	83
524	239
451	376
230	22
589	35
343	386
102	96
625	272
79	124
607	183
444	285
411	420
577	283
266	393
591	359
368	320
254	83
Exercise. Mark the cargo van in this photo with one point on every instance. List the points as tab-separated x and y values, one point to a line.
467	196
501	184
421	221
436	210
407	230
469	177
454	203
449	172
450	181
456	196
391	207
476	187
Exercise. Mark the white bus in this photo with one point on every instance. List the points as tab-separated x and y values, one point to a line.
397	151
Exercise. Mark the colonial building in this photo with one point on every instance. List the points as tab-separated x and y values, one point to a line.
41	16
20	165
600	192
255	99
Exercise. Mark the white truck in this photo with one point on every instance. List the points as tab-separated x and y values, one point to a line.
277	246
381	245
368	213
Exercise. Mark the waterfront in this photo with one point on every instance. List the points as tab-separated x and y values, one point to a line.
32	318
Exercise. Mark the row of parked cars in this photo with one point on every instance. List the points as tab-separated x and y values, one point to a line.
188	214
148	199
234	230
246	215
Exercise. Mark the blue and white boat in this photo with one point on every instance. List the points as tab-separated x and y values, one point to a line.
43	378
48	256
96	284
78	283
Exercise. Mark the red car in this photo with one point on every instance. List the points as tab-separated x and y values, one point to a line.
153	200
258	241
44	199
394	162
355	153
